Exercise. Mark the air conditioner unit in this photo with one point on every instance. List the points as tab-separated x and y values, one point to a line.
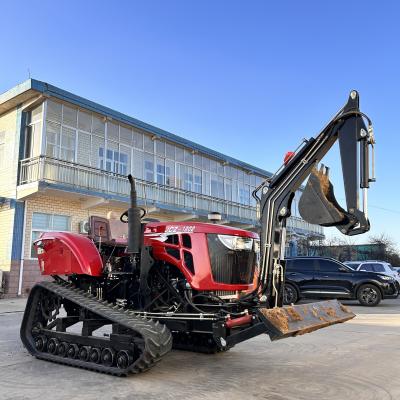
84	227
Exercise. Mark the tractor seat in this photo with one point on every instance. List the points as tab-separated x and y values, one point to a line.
118	231
109	231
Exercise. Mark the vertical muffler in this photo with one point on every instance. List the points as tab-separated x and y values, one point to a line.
134	222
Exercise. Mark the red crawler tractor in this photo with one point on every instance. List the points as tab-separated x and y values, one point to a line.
192	286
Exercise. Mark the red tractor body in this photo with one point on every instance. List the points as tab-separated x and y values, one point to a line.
194	248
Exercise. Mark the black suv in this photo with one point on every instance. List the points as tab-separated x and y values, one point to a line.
320	277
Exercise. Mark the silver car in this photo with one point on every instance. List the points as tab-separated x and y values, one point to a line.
374	266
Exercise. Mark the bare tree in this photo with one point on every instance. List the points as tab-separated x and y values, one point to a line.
385	249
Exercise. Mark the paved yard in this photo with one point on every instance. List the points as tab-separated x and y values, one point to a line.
356	360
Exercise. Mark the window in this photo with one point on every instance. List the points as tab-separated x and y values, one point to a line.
98	126
52	139
137	163
379	268
206	163
228	189
70	116
84	121
67	146
138	140
160	148
188	178
123	164
327	266
188	157
300	265
367	267
197	186
113	161
206	183
109	160
160	170
197	160
372	267
244	194
60	143
170	151
148	144
2	148
353	265
113	132
169	172
148	167
47	222
179	154
217	186
125	135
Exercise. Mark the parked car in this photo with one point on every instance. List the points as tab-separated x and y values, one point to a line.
374	266
321	277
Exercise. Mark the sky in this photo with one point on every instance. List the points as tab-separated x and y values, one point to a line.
250	79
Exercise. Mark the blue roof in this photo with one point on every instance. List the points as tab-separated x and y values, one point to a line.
50	90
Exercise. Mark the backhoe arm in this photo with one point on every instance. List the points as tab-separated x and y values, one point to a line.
318	204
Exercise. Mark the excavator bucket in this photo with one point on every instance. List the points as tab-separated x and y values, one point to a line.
318	204
295	320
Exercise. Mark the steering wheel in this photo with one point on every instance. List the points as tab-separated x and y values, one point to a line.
124	216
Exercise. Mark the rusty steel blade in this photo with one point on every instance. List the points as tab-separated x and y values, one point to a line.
282	322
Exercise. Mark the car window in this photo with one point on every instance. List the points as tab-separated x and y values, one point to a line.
367	267
300	264
378	267
353	265
327	266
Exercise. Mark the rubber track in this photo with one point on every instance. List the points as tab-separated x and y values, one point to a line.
157	337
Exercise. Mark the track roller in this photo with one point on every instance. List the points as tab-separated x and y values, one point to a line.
95	355
72	351
107	357
84	353
52	345
124	359
62	349
41	342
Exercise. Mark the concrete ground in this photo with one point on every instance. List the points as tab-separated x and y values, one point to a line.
356	360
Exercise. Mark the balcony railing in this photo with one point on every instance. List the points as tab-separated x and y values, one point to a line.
52	170
80	176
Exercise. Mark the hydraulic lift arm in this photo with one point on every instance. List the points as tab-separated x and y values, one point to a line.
318	204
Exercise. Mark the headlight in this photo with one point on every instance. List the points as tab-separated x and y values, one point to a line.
387	278
236	242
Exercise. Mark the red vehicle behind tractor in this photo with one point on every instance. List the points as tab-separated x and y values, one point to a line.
192	285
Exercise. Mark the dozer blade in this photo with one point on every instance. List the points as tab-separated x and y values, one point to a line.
318	204
283	322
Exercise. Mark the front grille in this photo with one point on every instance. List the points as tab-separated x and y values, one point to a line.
227	294
230	266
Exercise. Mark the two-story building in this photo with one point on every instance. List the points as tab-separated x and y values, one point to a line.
64	158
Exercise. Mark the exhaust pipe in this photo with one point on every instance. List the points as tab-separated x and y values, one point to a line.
134	223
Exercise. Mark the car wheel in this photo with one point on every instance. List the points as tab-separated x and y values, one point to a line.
369	295
290	295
